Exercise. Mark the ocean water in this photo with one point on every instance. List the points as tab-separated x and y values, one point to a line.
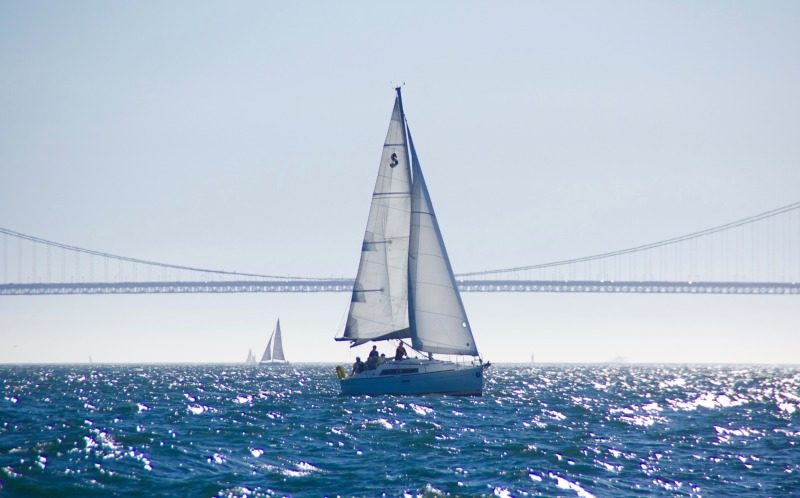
216	430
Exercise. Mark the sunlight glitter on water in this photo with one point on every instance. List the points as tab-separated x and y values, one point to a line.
581	431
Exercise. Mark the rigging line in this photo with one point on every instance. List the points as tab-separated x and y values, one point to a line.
22	236
644	247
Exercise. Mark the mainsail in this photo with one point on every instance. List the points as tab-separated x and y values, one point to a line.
379	304
438	320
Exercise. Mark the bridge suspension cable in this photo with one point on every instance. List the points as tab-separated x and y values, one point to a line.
694	235
757	254
127	259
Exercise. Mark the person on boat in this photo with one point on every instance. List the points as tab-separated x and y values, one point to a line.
373	353
400	352
382	359
358	366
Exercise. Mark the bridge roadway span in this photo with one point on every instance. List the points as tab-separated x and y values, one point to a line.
346	285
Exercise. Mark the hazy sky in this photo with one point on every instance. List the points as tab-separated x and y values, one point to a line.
246	136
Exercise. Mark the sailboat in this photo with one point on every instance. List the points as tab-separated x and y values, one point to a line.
405	288
251	358
273	355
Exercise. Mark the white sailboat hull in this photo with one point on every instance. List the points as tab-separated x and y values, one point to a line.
272	363
415	376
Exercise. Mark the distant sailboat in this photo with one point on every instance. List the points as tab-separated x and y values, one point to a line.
251	358
273	355
405	288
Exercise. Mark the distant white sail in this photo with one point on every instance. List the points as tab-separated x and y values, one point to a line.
267	356
439	323
277	348
274	352
379	304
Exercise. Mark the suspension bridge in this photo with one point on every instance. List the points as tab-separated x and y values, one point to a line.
759	254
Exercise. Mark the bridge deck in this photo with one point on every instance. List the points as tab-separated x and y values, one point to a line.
346	285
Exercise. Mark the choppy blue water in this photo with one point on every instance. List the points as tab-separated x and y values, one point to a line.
544	431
